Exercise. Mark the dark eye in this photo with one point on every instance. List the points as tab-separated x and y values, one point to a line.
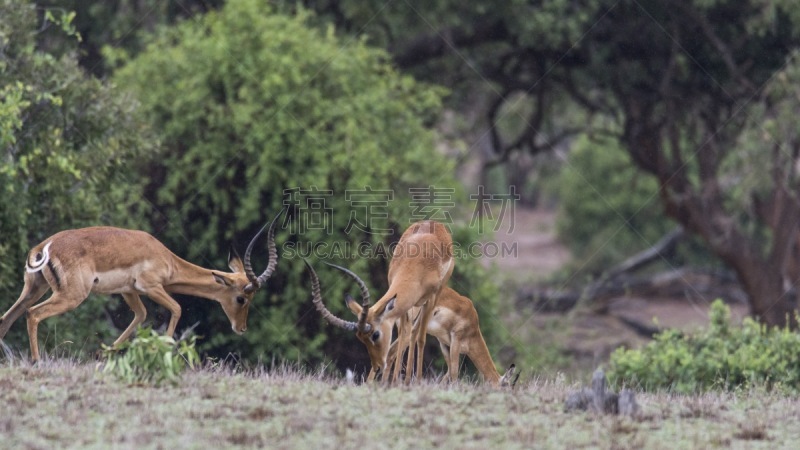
375	336
241	300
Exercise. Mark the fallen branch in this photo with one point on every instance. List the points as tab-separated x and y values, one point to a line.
696	284
665	246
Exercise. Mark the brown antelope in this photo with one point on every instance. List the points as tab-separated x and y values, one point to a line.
454	323
421	265
108	260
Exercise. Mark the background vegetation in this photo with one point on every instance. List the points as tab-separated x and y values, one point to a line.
608	209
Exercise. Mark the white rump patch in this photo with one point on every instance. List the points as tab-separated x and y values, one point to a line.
37	264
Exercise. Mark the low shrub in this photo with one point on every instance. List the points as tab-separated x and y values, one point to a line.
150	358
723	356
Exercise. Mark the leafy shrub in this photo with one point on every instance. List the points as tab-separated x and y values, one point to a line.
722	357
151	358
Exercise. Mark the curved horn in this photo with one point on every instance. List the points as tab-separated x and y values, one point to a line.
363	326
316	297
257	281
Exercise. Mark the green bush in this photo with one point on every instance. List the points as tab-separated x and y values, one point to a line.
150	358
723	357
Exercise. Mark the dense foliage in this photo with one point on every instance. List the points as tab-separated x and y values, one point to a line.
68	143
724	356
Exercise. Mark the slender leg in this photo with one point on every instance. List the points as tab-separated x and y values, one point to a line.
392	355
35	287
422	332
58	303
402	344
160	296
139	314
446	353
407	348
454	366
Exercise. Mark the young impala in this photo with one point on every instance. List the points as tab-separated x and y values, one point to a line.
454	323
108	260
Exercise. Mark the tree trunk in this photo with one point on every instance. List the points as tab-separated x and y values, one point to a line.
698	206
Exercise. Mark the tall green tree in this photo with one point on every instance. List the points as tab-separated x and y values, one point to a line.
68	143
260	112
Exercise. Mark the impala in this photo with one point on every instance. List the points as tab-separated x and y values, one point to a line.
108	260
454	323
421	265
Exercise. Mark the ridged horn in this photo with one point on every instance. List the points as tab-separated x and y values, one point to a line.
363	326
257	281
316	297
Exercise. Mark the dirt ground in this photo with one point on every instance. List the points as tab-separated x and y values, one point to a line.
590	335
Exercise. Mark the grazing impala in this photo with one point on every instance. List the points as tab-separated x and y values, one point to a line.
454	323
107	260
377	348
421	265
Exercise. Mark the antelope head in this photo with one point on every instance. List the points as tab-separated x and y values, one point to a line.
240	286
377	339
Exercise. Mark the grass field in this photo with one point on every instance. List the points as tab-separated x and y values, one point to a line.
63	404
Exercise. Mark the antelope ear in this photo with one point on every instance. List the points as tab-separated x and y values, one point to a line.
352	304
387	307
390	304
234	261
222	279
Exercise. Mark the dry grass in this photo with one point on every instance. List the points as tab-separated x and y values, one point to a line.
62	404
